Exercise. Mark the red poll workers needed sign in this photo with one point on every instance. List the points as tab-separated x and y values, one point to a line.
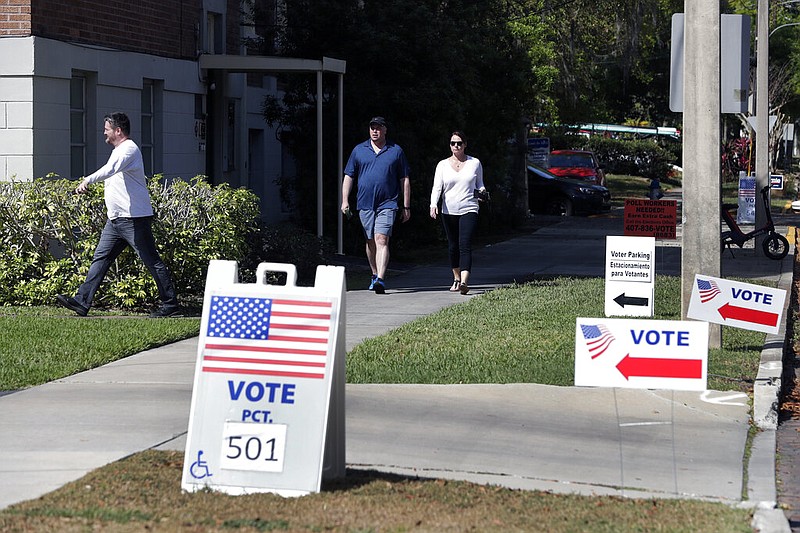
732	303
641	354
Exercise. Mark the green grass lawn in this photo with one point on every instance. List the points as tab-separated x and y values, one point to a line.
41	344
142	493
623	186
516	335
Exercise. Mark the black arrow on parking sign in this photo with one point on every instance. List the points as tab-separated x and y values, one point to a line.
623	300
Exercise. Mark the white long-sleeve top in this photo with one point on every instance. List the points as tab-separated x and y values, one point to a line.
126	193
457	187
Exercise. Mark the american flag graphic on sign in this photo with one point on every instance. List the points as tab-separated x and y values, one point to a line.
598	339
747	187
707	289
267	336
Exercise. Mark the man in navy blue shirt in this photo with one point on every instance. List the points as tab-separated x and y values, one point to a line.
382	170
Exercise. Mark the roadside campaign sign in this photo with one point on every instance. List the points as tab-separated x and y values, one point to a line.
641	354
737	304
268	398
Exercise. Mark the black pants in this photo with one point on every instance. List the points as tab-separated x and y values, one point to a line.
459	230
117	235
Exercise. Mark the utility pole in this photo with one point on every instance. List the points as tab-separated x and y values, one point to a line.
701	150
762	115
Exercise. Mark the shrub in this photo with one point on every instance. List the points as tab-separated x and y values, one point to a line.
48	236
285	243
45	233
197	222
735	158
636	157
633	157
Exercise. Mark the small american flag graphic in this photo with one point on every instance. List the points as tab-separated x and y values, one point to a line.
747	187
598	338
707	289
267	336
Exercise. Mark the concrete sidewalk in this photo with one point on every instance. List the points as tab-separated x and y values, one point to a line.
586	440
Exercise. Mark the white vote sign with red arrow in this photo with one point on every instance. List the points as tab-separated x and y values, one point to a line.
737	304
641	354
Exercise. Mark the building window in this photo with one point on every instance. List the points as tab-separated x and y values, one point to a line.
288	174
215	34
148	111
151	141
230	153
77	126
199	117
261	20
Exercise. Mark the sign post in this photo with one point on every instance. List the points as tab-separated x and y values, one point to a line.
630	276
267	412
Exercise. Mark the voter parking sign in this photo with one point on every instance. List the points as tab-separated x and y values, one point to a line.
267	409
630	276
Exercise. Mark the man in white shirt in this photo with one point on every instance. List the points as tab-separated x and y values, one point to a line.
129	221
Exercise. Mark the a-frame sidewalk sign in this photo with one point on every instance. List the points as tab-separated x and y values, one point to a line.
267	411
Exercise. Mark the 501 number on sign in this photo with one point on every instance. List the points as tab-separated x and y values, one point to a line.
257	447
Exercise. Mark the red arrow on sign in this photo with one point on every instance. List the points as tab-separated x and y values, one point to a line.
744	314
651	367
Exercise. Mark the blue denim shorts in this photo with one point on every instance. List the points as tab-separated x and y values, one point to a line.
377	222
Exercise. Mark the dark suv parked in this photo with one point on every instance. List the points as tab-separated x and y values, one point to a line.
553	195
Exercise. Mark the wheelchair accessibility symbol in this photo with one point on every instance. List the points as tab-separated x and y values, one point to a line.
199	468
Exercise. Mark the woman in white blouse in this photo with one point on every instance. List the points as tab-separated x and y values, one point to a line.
457	182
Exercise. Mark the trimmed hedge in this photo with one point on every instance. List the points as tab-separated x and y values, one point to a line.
48	235
633	157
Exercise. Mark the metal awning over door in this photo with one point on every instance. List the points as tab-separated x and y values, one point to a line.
274	64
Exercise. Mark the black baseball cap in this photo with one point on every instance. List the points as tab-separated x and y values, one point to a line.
378	120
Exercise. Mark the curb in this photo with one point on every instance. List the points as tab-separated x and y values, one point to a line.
767	386
762	493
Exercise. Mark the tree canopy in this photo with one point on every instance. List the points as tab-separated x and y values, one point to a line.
484	67
429	67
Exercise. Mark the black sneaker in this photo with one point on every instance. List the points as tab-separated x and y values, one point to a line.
379	286
72	304
167	312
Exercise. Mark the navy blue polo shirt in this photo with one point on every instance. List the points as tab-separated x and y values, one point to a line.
378	175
